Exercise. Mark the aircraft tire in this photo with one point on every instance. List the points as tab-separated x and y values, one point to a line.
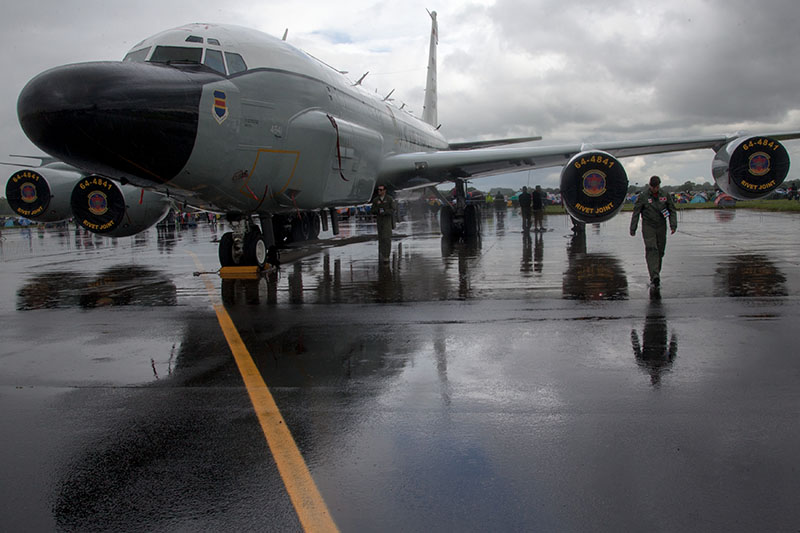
301	228
255	249
446	221
472	221
226	250
315	225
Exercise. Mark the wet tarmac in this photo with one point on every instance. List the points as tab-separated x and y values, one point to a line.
504	385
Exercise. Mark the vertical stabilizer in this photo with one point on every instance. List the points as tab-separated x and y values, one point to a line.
430	113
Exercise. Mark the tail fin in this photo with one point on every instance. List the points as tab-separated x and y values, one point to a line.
430	112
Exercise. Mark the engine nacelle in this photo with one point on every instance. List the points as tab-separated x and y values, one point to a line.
750	167
42	194
593	186
112	210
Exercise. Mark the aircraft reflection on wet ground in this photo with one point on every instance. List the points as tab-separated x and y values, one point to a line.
415	275
750	275
499	384
417	272
120	285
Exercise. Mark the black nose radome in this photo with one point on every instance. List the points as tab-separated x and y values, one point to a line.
117	119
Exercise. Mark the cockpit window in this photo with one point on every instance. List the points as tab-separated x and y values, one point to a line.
176	54
138	55
235	63
194	39
213	41
214	60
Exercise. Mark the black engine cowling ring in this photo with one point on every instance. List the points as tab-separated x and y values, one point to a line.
593	186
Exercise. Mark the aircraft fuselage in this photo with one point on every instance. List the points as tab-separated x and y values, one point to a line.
280	131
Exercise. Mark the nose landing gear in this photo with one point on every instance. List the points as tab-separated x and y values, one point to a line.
246	245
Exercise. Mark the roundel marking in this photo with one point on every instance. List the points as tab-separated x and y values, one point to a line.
98	203
759	164
594	183
27	192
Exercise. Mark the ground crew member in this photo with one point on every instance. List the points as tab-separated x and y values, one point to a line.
537	202
525	206
383	209
655	207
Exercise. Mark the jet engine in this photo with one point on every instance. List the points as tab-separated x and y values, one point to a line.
593	186
42	194
750	167
112	210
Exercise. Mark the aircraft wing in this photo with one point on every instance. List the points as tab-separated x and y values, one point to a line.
418	168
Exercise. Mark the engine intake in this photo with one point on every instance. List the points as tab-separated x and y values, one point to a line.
43	194
593	186
750	167
104	207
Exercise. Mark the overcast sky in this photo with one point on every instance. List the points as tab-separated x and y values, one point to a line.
566	70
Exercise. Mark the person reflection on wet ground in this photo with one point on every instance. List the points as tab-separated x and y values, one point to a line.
654	354
501	221
527	253
166	239
538	253
388	287
296	284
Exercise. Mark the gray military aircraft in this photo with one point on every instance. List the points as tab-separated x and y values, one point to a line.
234	121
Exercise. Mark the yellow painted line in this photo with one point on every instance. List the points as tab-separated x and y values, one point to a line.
306	498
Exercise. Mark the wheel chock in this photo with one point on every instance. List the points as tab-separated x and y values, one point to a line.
240	272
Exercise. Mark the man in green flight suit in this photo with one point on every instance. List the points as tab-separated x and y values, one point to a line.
383	209
655	207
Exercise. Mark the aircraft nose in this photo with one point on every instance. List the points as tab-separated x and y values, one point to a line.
117	119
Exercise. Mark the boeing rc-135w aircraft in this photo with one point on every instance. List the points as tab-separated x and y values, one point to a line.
234	121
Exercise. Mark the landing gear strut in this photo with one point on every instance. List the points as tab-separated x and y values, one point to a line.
462	221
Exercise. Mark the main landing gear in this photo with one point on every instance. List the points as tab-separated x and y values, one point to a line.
248	245
462	222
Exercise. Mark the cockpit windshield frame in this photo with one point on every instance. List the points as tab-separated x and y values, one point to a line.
138	56
213	55
177	54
